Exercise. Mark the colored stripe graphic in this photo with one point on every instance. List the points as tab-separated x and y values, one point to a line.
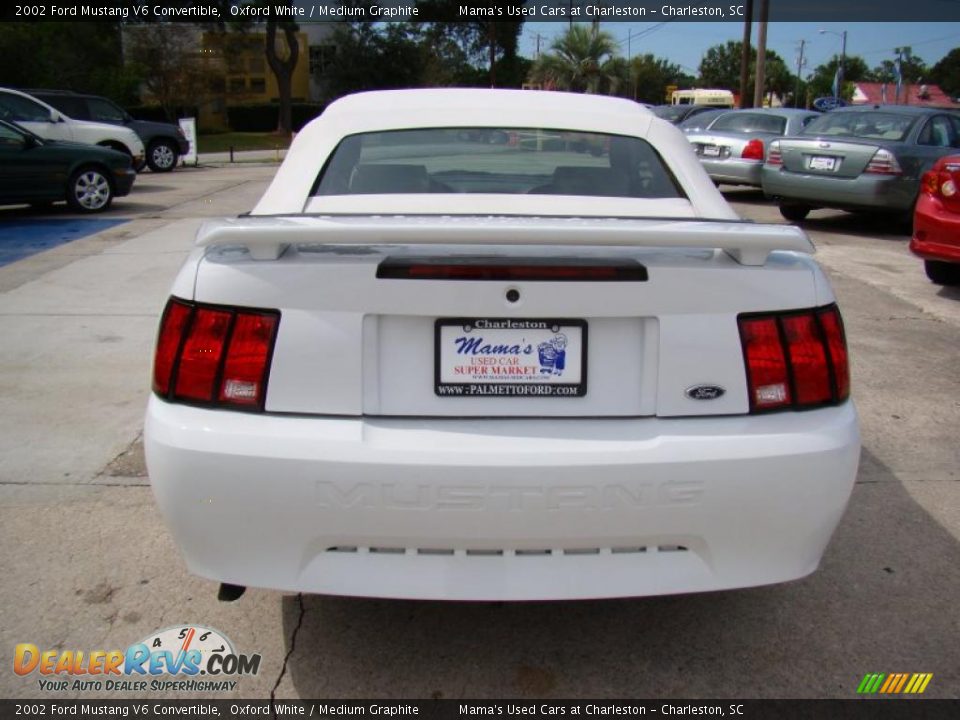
894	683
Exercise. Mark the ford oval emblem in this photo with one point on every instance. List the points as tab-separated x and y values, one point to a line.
705	392
824	145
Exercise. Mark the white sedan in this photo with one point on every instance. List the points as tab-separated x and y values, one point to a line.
499	345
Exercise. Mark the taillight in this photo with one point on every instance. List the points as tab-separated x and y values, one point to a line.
753	150
795	359
214	355
883	162
939	184
175	318
773	154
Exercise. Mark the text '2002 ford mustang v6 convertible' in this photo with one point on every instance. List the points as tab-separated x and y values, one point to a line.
499	345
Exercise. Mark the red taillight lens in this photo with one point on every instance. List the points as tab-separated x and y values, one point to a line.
773	154
201	354
808	359
214	355
795	359
753	150
930	183
245	370
832	325
766	363
175	318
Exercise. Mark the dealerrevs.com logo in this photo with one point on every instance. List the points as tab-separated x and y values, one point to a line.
181	658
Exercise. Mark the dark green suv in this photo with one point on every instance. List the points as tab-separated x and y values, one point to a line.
165	143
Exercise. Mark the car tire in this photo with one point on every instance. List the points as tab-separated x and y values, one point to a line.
162	156
89	190
794	213
942	273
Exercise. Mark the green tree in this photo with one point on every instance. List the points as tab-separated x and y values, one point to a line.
720	68
168	61
912	68
283	53
855	69
946	73
581	60
57	56
650	76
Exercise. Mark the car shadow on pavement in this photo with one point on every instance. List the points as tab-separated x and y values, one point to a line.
884	600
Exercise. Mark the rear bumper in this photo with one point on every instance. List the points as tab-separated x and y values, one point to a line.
936	231
880	192
735	171
501	509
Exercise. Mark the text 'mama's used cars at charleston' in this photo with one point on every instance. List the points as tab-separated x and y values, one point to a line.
859	159
429	365
733	146
39	172
51	124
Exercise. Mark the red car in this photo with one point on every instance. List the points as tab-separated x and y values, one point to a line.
936	222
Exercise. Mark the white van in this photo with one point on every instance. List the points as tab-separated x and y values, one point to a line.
713	98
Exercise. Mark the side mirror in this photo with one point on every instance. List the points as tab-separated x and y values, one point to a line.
30	142
55	117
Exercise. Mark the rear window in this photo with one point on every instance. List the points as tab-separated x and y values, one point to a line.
874	125
750	123
496	160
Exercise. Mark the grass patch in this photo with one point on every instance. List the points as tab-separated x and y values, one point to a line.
222	142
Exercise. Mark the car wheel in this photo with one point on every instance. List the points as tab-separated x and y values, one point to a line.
942	273
162	156
89	190
794	213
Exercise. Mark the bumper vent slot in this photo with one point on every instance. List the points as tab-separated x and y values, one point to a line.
493	552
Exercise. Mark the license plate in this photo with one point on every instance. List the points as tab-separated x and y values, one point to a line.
711	150
822	163
490	357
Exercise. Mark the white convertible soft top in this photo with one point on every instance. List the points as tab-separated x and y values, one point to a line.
289	193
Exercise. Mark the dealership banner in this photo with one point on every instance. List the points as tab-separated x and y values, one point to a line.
444	709
652	11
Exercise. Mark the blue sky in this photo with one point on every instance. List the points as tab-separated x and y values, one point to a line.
686	42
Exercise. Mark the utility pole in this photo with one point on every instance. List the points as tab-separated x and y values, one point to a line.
800	62
629	45
745	56
493	53
761	54
901	52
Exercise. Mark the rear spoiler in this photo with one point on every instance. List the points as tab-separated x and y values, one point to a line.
266	237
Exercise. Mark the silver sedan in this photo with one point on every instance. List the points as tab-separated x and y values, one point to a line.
734	145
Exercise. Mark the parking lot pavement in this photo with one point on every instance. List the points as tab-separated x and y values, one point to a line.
89	566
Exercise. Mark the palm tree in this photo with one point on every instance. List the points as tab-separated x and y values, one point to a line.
582	60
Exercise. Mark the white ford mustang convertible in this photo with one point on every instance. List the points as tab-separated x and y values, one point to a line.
499	345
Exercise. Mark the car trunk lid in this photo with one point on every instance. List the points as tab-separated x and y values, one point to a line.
388	318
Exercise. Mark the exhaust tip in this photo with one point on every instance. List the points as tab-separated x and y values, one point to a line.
230	593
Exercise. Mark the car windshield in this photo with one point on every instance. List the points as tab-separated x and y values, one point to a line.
496	160
750	123
673	113
867	124
700	119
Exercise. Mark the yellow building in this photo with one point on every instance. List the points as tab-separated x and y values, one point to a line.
238	73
